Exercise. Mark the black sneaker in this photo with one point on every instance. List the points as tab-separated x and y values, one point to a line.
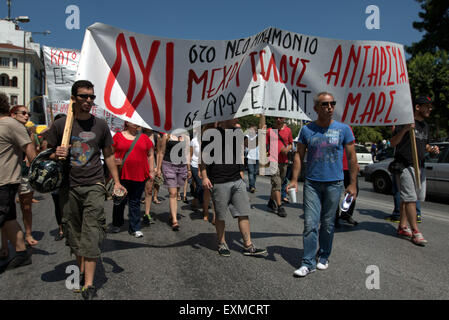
393	218
223	250
271	204
253	251
418	218
281	212
20	259
89	293
146	219
349	220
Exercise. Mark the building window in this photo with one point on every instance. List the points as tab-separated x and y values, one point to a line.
14	82
4	62
15	62
14	100
4	80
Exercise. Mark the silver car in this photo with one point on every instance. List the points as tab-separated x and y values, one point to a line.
437	173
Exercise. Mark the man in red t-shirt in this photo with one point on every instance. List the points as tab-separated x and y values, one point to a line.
282	135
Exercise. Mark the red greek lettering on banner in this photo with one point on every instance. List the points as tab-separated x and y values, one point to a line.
131	104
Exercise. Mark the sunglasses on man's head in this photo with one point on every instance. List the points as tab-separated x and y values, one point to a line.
24	113
85	96
326	103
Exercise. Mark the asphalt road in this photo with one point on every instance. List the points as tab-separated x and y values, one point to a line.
185	265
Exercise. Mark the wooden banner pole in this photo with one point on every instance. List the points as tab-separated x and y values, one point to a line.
415	158
68	127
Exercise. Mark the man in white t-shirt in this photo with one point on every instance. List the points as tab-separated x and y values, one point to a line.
252	156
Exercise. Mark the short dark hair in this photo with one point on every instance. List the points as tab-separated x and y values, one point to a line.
4	103
59	116
81	84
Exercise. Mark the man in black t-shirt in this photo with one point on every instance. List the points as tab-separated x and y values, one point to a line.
82	196
406	178
222	174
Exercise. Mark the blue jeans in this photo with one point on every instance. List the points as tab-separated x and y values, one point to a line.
135	190
253	171
397	199
198	194
288	176
321	200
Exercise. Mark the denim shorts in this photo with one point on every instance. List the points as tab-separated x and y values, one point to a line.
230	196
174	174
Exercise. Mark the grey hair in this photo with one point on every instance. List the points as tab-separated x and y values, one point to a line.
316	98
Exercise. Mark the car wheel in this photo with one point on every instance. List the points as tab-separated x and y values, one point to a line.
382	182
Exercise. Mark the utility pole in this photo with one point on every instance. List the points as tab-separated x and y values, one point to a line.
8	2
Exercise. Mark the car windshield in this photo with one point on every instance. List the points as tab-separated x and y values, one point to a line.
361	149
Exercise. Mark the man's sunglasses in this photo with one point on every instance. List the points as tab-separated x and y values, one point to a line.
24	113
85	96
326	103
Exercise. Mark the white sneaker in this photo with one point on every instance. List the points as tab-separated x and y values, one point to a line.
321	266
138	234
303	271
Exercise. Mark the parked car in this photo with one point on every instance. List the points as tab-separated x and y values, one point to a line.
385	153
437	173
364	157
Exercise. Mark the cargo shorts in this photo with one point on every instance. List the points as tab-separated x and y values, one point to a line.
84	220
278	177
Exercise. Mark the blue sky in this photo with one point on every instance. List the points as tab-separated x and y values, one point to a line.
219	20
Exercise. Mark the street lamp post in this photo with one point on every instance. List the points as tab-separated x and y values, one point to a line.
24	58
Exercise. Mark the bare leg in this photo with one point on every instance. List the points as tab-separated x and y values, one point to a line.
148	195
206	201
14	234
89	271
173	193
220	227
155	193
25	205
245	231
276	196
410	210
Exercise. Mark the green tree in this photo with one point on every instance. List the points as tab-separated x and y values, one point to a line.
429	75
435	24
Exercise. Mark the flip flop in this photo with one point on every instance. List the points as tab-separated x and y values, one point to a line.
156	201
31	242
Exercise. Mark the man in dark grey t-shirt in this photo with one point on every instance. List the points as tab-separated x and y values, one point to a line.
82	196
406	178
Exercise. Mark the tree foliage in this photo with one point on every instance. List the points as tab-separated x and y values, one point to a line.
429	75
435	24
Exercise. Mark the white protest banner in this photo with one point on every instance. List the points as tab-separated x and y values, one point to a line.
169	83
61	66
115	124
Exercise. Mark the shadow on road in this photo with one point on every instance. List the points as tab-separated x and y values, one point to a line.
291	255
59	272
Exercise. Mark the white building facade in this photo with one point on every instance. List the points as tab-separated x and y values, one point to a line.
15	63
